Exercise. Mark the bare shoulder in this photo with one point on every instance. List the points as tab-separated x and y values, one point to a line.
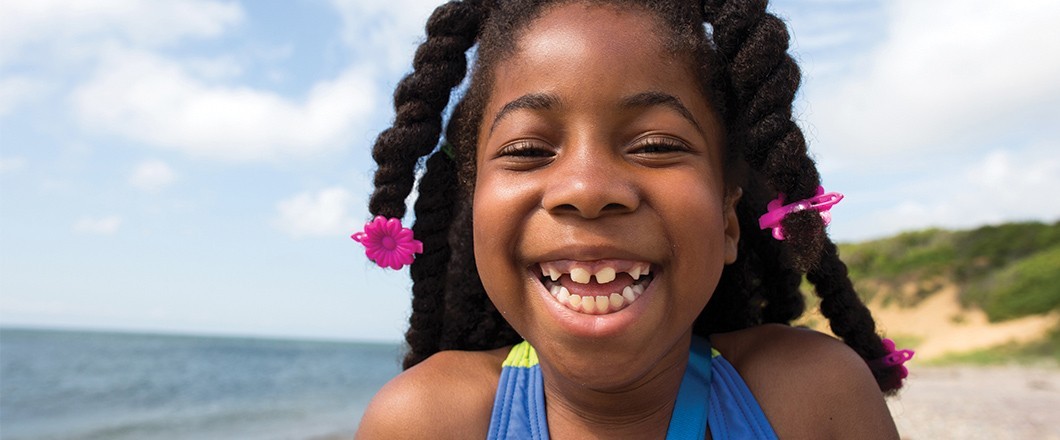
448	395
810	385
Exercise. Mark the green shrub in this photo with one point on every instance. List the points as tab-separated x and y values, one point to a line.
1008	270
1026	287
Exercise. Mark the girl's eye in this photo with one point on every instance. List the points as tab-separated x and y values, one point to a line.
659	145
525	149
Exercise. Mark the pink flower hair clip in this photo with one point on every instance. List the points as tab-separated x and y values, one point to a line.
387	243
777	210
893	358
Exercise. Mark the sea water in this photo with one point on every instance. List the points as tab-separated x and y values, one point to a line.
83	385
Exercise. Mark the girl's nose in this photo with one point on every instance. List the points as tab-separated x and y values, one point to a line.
590	186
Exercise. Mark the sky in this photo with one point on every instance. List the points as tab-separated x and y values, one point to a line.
198	166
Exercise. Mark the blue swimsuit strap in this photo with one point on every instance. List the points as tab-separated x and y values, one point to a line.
689	419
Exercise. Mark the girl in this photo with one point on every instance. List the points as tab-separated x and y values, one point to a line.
599	253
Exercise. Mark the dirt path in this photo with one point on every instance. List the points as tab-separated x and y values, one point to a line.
979	403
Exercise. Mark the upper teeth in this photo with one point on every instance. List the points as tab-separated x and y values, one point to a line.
579	275
603	275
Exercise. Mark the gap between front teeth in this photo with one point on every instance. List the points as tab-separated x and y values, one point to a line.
604	275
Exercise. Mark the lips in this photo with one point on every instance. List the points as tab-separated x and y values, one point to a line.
595	287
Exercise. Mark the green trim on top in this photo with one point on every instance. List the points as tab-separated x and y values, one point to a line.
522	355
714	352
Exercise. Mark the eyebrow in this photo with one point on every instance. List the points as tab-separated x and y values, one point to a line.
548	101
531	101
649	99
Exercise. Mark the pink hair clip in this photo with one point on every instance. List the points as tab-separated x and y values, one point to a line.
893	358
777	210
387	243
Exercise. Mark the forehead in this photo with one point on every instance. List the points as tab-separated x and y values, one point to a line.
594	53
595	28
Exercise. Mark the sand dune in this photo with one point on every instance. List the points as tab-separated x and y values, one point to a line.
940	326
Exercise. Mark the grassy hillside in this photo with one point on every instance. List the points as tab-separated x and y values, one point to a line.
1008	271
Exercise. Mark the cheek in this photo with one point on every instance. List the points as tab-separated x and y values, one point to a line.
485	230
486	247
497	208
500	207
697	223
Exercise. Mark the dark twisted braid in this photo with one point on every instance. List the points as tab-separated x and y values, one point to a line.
848	316
440	64
434	213
764	79
472	321
777	281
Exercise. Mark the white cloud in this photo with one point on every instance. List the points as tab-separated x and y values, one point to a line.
9	164
152	176
98	225
385	32
327	212
1000	186
55	26
17	90
951	74
154	100
220	68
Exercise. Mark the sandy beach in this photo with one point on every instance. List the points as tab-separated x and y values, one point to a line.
964	402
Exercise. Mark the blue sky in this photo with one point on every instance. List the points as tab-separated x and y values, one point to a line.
197	166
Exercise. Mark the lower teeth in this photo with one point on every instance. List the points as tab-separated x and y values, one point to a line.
597	305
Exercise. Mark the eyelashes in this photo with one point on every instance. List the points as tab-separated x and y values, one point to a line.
526	149
647	146
659	145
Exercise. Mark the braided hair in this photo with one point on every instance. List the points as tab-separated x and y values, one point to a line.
750	80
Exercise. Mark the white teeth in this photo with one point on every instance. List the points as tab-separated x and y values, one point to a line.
595	305
601	304
588	304
579	275
635	272
605	275
628	294
563	295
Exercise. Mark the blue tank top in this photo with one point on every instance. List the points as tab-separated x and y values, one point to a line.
712	394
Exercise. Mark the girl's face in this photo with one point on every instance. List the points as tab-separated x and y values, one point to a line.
600	165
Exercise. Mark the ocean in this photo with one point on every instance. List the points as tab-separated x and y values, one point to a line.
88	385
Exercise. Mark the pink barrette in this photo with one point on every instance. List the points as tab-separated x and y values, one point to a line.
893	358
387	243
777	210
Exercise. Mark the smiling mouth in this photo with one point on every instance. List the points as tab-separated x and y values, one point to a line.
596	288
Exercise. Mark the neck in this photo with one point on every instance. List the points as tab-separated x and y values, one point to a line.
641	409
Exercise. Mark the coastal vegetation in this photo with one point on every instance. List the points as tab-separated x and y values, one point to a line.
1008	271
999	276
